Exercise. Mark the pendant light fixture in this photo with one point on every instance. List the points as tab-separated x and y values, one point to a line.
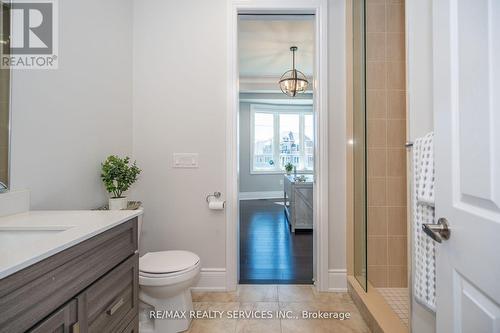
293	81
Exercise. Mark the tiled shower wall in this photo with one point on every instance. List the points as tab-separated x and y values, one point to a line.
386	134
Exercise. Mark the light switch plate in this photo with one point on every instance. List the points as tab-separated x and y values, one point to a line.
185	160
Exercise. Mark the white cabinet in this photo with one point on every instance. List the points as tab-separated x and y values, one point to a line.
298	197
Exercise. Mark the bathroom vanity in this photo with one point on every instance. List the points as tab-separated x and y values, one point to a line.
69	272
298	196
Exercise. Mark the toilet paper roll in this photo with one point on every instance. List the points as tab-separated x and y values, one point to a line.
216	204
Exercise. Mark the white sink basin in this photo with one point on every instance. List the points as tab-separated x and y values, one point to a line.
10	236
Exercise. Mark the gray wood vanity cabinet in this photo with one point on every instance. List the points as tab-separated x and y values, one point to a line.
90	287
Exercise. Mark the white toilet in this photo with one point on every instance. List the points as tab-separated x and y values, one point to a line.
165	279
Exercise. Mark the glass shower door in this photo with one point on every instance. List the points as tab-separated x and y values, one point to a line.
359	143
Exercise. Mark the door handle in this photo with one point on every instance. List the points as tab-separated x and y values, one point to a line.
438	231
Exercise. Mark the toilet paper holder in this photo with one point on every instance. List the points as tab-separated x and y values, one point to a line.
215	195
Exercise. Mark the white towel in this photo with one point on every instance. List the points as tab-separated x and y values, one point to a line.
425	191
424	284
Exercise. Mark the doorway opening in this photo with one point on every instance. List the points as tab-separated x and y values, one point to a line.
306	9
276	148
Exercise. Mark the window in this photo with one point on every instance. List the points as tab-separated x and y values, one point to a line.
282	134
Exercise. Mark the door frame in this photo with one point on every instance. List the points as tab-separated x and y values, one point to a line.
320	86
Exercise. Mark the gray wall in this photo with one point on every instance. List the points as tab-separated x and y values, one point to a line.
66	121
179	47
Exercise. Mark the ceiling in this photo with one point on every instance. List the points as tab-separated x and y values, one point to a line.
264	45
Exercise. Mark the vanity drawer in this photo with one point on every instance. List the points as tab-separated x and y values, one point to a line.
63	320
132	327
112	300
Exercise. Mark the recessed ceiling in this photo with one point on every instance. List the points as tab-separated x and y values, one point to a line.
264	44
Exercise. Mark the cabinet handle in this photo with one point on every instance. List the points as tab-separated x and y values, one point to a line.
75	328
111	311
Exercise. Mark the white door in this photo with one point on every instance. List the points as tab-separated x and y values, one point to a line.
467	157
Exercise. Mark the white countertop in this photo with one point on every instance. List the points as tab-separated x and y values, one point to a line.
30	237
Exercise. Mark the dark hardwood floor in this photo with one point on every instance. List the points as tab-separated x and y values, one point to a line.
269	252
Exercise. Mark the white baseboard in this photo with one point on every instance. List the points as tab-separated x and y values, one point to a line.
337	280
261	195
214	279
211	279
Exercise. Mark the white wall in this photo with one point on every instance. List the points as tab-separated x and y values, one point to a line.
420	110
66	121
180	106
337	141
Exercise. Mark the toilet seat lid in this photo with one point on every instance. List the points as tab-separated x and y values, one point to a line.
167	261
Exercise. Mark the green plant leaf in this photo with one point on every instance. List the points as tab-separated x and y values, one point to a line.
118	175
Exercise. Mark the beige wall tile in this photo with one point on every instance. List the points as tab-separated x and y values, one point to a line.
396	75
376	75
386	100
395	46
396	104
377	162
396	221
395	17
396	191
375	17
377	250
377	275
396	162
376	104
396	250
396	133
376	133
377	221
377	192
375	46
396	277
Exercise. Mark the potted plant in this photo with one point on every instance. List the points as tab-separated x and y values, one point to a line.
289	168
118	175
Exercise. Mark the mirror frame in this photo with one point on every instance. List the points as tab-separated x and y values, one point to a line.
5	187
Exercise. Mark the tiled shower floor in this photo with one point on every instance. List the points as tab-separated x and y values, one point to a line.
398	299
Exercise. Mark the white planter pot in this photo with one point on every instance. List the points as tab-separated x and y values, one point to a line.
117	203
